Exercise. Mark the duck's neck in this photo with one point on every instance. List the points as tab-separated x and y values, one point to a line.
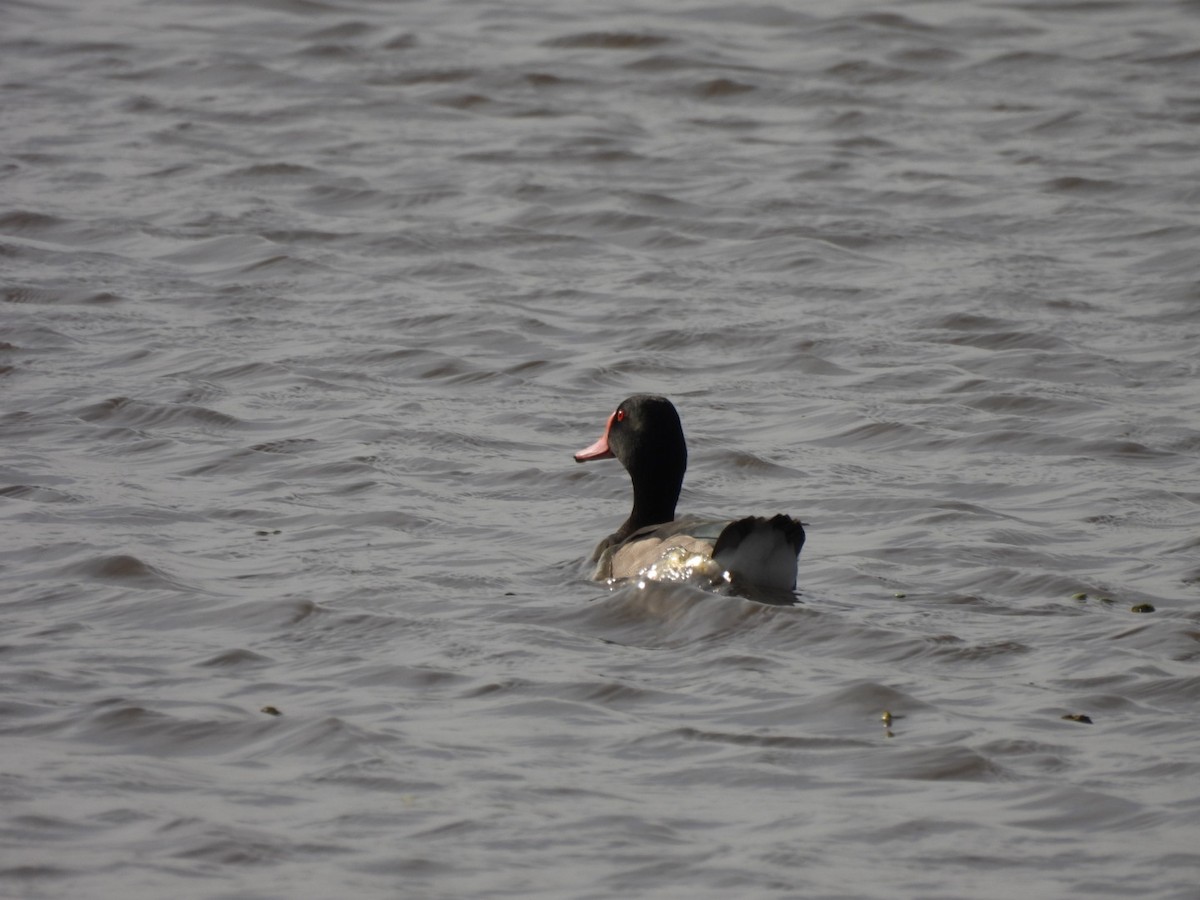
655	493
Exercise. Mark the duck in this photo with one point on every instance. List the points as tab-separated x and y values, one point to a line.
645	434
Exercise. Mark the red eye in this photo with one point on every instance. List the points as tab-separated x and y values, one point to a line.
620	416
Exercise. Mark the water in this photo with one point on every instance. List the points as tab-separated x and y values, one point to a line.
308	304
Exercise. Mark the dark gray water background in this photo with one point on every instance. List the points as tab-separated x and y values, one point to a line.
307	303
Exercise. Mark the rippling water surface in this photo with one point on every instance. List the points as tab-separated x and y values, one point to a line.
307	303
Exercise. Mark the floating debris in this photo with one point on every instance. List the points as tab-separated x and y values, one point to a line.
271	711
1080	596
1142	608
887	718
899	595
1078	717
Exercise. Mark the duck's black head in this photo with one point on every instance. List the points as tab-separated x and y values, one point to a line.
645	434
